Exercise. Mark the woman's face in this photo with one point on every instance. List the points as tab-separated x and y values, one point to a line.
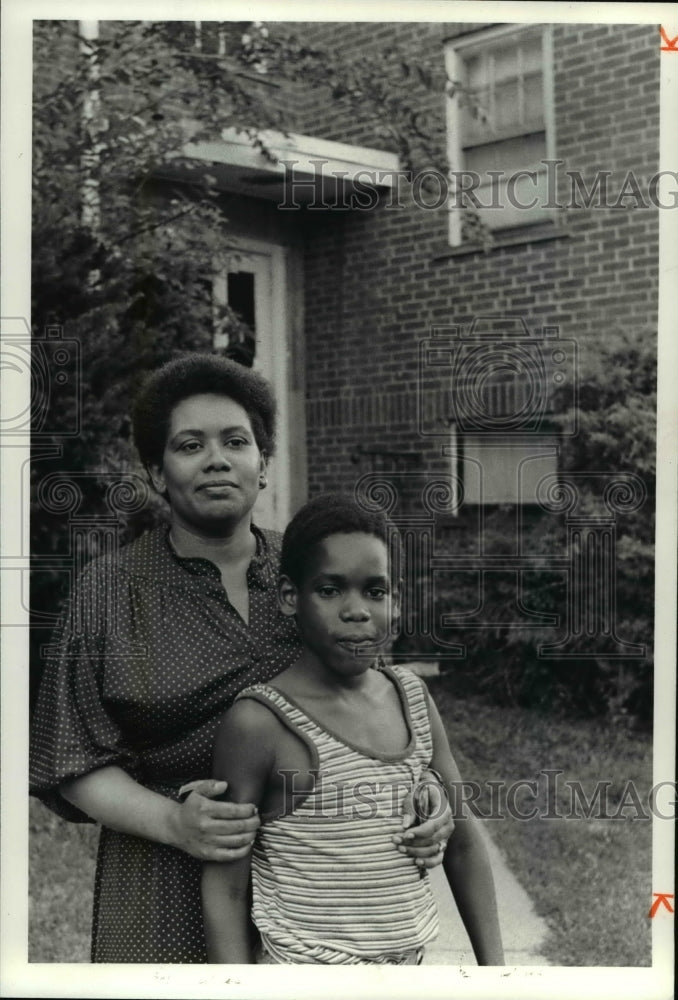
211	465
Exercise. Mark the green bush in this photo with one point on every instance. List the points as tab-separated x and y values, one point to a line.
617	404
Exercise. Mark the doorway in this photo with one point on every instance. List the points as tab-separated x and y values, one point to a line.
261	286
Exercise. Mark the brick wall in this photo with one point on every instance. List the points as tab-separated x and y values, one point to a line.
378	281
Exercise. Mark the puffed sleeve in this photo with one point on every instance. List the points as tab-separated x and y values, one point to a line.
72	734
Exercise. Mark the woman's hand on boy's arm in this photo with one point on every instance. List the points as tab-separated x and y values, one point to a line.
426	842
241	763
211	830
205	829
225	830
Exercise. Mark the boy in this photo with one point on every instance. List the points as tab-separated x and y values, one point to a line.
327	752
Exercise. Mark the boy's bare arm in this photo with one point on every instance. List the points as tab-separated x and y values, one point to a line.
225	907
466	862
243	756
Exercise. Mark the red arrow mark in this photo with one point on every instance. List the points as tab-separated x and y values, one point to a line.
670	45
661	897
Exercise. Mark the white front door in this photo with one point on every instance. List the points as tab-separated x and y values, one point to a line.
254	285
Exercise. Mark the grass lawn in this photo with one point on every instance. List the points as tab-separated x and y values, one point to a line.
589	879
61	880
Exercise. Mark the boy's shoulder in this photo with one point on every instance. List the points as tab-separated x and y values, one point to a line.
248	727
250	713
249	704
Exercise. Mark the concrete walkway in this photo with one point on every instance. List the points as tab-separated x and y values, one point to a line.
523	932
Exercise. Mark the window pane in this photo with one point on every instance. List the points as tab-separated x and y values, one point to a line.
506	471
242	339
509	154
507	106
517	108
241	295
476	73
533	99
475	118
525	206
505	62
531	54
505	81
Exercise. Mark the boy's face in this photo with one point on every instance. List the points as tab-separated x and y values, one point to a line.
344	605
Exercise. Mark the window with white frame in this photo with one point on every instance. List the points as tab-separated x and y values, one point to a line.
500	127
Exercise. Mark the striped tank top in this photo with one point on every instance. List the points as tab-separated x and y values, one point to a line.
329	885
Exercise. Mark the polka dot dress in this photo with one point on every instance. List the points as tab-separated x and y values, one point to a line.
150	655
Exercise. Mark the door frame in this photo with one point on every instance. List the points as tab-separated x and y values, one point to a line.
279	322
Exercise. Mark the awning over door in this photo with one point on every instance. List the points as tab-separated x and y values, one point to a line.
299	167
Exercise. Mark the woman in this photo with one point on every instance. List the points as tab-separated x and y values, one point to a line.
128	710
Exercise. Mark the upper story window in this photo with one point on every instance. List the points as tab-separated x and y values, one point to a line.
500	127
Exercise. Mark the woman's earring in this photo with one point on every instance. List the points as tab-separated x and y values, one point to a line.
263	482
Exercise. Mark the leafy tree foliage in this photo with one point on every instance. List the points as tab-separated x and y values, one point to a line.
123	249
123	260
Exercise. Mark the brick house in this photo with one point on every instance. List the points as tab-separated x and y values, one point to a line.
419	347
375	305
409	353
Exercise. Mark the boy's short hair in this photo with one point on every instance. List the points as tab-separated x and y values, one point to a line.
193	375
332	514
